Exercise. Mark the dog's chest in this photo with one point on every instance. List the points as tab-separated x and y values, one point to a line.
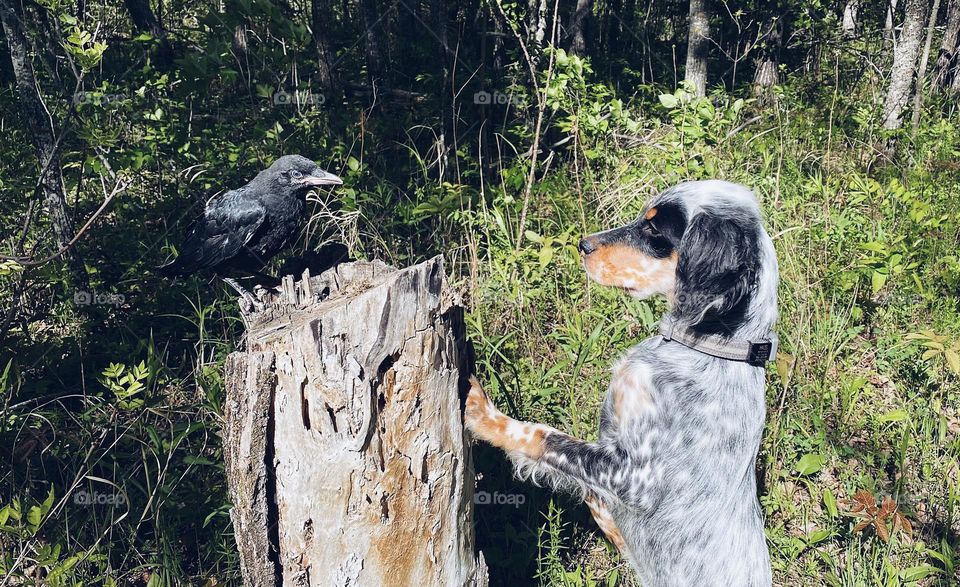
630	392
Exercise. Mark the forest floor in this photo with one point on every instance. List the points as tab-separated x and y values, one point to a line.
858	466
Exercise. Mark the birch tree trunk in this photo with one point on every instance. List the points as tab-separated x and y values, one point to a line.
849	23
767	72
578	22
904	63
922	68
889	37
697	47
346	456
945	69
537	25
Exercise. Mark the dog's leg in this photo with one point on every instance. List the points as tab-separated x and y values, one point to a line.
545	452
602	517
486	422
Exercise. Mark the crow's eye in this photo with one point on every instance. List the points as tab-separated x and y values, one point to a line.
296	174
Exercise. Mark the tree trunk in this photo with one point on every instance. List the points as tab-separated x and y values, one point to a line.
922	68
767	72
578	22
536	28
697	47
945	69
321	20
145	21
439	9
904	63
849	23
889	37
373	42
346	456
143	17
41	128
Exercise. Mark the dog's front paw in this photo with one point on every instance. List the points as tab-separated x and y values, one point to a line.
486	422
478	409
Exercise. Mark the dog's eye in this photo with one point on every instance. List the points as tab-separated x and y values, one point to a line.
651	229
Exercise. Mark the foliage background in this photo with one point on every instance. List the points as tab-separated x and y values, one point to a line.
111	379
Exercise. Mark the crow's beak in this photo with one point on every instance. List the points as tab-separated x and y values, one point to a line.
322	178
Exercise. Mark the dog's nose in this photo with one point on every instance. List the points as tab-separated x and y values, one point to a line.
586	246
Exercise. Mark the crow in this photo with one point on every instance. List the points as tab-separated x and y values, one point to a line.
244	228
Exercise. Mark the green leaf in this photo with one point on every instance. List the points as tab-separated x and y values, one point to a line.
875	247
830	502
809	464
669	101
546	255
918	572
48	502
894	416
532	236
613	577
953	360
818	536
877	280
34	516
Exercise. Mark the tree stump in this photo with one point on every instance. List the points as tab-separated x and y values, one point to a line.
346	456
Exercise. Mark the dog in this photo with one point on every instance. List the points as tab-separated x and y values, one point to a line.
671	479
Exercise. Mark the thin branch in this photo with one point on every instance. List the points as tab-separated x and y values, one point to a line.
31	262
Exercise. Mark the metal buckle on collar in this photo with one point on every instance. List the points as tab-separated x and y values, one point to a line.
761	352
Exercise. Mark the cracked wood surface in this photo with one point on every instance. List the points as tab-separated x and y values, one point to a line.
348	462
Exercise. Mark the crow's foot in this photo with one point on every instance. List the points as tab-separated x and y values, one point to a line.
248	302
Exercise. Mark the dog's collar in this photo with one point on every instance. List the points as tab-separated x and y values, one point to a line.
754	352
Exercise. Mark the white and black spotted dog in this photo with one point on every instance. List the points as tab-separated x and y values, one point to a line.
671	479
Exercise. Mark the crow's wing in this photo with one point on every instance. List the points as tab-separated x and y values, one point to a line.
227	225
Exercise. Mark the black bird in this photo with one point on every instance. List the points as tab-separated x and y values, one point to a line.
244	228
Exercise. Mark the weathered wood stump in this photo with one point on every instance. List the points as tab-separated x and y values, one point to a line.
346	456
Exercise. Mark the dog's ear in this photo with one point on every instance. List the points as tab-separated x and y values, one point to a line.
716	273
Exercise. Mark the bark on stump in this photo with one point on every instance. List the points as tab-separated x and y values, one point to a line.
346	457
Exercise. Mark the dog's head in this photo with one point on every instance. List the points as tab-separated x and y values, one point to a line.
699	244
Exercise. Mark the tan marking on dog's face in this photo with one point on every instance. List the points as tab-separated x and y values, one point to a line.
630	394
605	521
650	214
489	424
620	265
